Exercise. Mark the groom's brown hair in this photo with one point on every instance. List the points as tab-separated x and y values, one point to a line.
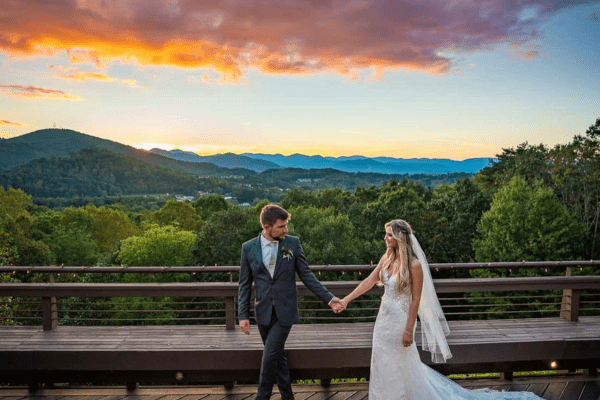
271	213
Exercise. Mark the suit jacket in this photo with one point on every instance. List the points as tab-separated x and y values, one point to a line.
278	292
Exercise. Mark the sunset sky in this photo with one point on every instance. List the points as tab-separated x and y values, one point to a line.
406	78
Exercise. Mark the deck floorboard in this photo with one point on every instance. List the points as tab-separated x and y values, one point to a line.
559	387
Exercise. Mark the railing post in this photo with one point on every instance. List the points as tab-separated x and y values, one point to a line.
565	305
49	313
569	308
230	313
574	314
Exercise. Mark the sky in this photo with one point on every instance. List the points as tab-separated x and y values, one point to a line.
405	78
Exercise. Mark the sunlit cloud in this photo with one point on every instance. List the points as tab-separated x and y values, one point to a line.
275	37
29	92
79	75
525	54
5	122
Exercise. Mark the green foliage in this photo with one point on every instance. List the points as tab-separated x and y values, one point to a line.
207	205
73	246
327	238
134	204
221	237
449	222
179	214
526	223
94	172
16	243
158	246
572	171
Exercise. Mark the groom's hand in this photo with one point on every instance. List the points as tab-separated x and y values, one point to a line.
337	305
245	326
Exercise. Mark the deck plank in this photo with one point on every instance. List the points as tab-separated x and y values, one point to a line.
591	391
564	387
302	336
554	391
572	391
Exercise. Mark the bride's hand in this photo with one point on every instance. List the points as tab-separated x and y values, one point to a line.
407	339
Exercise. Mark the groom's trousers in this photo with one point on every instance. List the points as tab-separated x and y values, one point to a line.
274	367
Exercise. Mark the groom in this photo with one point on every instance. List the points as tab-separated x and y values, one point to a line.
272	260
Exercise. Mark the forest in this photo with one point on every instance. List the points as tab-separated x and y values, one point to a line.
534	203
101	173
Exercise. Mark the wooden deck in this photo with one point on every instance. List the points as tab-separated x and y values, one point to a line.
212	354
561	387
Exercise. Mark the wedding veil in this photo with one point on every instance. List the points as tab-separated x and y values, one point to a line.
434	327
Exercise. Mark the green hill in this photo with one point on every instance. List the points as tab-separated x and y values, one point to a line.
97	172
20	150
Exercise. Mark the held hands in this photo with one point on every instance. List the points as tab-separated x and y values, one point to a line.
337	305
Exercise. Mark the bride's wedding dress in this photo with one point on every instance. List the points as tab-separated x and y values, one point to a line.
397	372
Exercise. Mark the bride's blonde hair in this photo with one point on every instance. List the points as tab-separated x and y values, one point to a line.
403	254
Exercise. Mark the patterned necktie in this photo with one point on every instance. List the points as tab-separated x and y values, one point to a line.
273	258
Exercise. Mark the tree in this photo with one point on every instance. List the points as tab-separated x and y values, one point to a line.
158	246
73	246
179	214
106	226
207	205
571	170
327	238
527	223
16	243
450	220
221	237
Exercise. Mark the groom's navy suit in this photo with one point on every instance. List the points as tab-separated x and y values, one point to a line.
276	305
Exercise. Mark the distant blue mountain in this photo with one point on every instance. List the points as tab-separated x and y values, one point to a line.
383	165
226	160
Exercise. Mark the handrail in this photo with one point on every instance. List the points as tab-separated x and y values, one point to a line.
229	290
226	289
316	268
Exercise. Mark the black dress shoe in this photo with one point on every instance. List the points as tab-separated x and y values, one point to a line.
288	398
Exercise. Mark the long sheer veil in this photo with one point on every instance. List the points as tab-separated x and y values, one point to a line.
434	327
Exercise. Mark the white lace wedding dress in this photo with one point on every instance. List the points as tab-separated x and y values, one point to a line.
397	372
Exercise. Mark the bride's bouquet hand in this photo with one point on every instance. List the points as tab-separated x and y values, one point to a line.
407	339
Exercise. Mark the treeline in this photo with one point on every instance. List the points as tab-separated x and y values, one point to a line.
533	203
93	173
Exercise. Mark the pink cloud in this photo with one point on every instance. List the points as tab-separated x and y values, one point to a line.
5	122
28	92
298	37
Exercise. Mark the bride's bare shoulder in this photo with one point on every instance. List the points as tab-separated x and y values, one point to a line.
415	267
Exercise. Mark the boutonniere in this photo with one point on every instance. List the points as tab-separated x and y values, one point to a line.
287	253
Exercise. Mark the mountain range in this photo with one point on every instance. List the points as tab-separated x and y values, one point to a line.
63	142
23	149
259	162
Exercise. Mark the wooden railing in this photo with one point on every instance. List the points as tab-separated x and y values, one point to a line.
49	292
315	268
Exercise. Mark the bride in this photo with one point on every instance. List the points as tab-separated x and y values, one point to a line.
397	372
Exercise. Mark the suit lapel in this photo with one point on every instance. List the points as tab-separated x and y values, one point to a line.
257	250
279	257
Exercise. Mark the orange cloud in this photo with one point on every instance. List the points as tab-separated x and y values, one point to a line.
27	92
5	122
85	75
276	37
